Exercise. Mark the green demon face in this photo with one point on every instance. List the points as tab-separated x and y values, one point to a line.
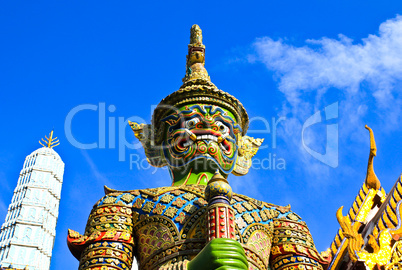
196	139
203	135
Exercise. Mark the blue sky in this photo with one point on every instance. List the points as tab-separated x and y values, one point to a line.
285	59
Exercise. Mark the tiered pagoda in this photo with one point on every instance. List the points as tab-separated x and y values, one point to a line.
27	235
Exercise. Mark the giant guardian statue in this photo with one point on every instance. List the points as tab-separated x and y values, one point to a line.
197	222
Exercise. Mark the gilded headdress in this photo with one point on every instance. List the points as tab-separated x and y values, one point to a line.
198	88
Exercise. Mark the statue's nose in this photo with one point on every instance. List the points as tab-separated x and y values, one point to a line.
204	124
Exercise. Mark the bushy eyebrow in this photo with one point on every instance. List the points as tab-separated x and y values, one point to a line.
200	108
173	118
176	118
190	114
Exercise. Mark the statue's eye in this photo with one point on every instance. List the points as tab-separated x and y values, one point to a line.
191	123
222	127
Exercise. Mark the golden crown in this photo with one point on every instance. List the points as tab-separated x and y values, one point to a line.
198	88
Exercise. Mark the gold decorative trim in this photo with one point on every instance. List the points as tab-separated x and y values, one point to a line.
371	179
350	231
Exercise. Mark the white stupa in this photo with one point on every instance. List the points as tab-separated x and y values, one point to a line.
27	235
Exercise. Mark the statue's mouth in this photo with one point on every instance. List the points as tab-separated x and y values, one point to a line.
206	135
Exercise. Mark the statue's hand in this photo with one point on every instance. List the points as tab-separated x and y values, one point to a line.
220	254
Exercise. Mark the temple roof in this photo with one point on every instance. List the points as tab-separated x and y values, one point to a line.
370	232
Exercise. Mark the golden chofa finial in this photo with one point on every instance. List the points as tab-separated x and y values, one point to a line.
196	56
50	142
371	179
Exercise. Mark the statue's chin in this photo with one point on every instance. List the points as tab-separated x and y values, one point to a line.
201	163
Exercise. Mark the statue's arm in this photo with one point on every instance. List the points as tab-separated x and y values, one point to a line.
293	246
108	239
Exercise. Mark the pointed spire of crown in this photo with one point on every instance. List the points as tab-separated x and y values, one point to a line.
196	57
371	179
50	142
197	87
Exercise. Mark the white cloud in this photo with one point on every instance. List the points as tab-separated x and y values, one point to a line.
3	207
95	171
365	77
371	68
5	186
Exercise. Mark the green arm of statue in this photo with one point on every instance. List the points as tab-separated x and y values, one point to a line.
220	254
